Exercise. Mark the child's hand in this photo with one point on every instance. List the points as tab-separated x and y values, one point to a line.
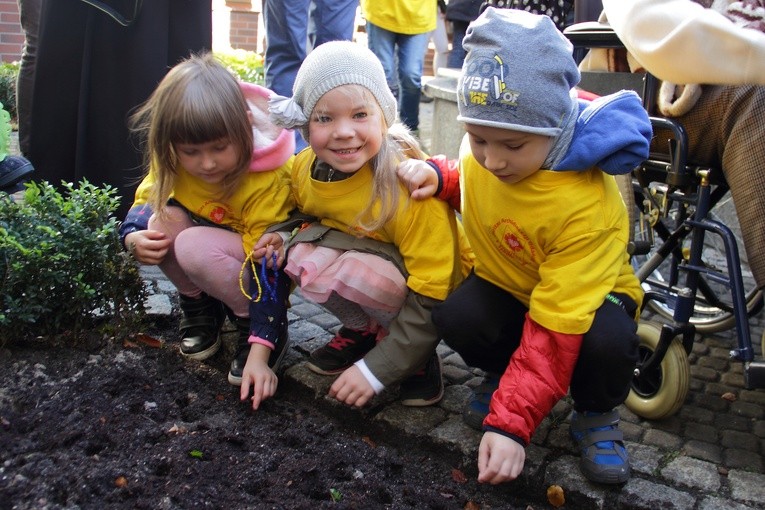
500	459
148	246
419	177
352	388
257	374
267	245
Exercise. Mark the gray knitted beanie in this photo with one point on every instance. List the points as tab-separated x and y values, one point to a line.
518	74
326	67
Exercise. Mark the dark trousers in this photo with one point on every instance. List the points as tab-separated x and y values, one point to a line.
484	323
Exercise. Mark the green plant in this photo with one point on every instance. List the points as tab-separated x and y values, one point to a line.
246	65
9	72
5	132
61	264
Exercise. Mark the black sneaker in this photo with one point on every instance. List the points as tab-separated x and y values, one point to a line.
478	407
347	347
200	326
425	387
243	350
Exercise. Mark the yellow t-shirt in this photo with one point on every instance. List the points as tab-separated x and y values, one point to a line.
557	241
401	16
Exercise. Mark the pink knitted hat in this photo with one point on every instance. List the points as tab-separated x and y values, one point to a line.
273	145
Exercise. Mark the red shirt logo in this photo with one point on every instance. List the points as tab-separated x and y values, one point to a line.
217	214
512	242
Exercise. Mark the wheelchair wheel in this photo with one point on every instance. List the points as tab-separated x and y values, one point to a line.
661	392
713	310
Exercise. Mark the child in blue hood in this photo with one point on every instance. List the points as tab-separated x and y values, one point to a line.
552	302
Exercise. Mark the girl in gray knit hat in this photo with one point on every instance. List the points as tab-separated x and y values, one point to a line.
374	259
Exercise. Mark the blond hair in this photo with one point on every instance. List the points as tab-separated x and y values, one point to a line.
198	101
398	144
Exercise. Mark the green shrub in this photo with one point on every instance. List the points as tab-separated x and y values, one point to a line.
61	264
8	74
246	65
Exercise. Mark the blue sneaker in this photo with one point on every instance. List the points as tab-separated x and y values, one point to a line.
478	407
604	456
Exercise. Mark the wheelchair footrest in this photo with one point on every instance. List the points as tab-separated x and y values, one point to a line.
754	375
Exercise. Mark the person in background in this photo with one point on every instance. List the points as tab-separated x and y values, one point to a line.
29	15
94	64
293	29
398	32
218	176
440	38
719	52
376	260
460	13
553	302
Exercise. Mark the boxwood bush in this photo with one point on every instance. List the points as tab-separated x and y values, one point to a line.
8	74
62	267
246	65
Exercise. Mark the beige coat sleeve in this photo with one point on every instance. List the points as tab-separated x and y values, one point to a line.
411	340
682	42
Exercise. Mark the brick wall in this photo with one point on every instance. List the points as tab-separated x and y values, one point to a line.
243	29
11	38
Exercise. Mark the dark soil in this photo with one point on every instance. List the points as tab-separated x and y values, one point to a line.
110	425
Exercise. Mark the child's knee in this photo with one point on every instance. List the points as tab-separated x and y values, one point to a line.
170	222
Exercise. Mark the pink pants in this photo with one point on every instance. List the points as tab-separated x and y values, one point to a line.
203	259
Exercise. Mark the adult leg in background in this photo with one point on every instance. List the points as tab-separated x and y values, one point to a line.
457	54
725	129
29	14
405	81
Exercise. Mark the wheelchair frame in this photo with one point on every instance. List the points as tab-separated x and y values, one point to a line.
660	384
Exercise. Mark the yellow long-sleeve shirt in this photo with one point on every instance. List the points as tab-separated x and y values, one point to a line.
260	200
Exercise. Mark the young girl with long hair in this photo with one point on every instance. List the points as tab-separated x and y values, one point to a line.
375	259
218	176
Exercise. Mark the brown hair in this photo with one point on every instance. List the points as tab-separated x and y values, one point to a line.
198	101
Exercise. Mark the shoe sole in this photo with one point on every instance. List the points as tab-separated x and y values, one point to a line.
207	353
419	402
605	476
318	370
234	380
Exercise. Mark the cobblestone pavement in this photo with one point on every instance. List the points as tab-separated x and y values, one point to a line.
707	456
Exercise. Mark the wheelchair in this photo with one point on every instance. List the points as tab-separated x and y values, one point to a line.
682	246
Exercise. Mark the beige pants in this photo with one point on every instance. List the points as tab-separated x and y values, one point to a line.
726	129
